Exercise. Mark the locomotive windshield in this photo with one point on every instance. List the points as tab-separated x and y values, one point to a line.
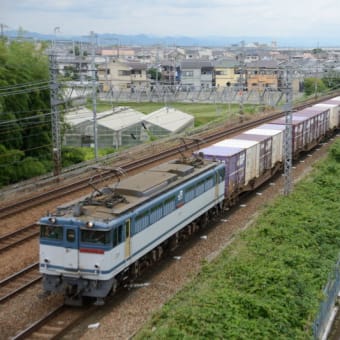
95	236
51	232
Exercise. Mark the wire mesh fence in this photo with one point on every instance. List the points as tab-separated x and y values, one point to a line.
330	292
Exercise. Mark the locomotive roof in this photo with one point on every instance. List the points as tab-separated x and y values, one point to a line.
134	190
154	179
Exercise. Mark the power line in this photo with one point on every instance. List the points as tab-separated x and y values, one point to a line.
25	90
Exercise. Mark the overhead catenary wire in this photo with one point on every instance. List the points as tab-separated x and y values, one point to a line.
16	86
24	88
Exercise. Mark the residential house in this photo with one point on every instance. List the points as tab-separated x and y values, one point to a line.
119	52
225	74
122	75
169	72
197	74
262	74
175	54
192	54
251	56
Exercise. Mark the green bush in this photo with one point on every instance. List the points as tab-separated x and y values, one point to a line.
30	167
335	151
72	155
313	85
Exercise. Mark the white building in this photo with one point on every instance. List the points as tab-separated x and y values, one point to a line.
166	121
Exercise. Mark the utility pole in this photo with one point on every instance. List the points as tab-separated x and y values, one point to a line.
55	117
288	147
94	94
241	81
2	26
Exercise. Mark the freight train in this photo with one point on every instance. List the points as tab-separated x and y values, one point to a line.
90	247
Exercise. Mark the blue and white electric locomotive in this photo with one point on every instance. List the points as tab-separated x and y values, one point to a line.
89	247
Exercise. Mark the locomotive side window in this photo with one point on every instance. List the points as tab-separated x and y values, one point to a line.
95	236
117	236
51	232
222	175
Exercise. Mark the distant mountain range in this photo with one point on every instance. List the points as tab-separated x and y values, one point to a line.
208	41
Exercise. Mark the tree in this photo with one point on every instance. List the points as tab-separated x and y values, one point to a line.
313	85
25	122
155	74
25	105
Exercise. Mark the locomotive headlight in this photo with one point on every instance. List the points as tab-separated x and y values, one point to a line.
89	224
52	220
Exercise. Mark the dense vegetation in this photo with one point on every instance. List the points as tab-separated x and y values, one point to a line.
24	107
314	86
25	120
268	283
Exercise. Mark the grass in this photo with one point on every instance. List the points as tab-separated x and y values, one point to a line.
268	283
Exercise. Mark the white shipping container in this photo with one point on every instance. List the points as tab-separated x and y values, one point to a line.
334	113
277	142
252	162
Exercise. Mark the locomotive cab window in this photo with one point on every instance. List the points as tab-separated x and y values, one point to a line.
95	236
51	232
70	235
221	175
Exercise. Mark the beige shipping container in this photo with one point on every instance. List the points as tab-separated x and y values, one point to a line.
334	114
277	135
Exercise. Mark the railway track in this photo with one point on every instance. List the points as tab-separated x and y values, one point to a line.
18	236
19	281
55	324
204	137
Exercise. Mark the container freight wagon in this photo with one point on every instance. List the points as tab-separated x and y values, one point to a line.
334	112
264	150
300	131
317	125
251	161
235	167
277	134
248	160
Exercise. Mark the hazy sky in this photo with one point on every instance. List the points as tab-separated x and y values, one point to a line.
194	18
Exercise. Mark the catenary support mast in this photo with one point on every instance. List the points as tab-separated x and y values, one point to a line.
288	147
55	116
